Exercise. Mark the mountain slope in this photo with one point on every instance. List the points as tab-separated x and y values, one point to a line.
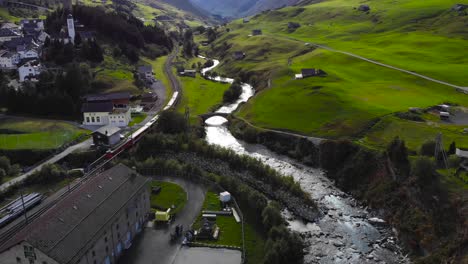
239	8
184	5
425	37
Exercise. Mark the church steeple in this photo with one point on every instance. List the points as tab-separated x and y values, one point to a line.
71	27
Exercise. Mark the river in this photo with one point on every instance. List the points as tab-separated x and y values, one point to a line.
346	232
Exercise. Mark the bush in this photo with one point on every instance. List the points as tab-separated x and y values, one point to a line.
424	168
233	93
48	174
428	148
454	161
172	122
5	163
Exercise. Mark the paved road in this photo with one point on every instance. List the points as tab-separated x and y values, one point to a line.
153	245
463	88
83	145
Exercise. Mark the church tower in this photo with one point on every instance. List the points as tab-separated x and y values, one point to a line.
71	28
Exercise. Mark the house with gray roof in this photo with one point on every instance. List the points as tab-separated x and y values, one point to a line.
7	34
92	224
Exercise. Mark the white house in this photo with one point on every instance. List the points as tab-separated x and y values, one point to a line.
8	60
27	52
30	71
462	153
104	113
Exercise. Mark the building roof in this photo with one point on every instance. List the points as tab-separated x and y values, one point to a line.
12	44
66	231
7	32
107	130
10	25
87	34
97	107
108	97
26	47
33	63
145	69
7	54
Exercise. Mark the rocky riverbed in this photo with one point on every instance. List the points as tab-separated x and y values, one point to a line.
297	205
346	232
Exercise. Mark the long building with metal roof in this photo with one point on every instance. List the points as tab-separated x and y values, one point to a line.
93	224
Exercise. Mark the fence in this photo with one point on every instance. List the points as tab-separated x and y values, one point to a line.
204	181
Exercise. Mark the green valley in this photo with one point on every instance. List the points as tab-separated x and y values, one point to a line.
355	94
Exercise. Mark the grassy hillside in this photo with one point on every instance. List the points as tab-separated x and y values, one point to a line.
422	36
26	133
425	37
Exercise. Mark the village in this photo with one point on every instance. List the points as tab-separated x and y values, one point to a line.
161	132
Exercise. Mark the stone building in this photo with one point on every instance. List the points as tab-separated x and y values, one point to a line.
93	224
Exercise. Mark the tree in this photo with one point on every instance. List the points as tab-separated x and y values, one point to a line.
428	148
424	170
233	93
211	35
5	163
271	216
398	154
3	174
452	149
78	40
172	122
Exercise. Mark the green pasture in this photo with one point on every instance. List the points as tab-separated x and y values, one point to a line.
343	103
421	36
200	95
170	195
36	133
413	133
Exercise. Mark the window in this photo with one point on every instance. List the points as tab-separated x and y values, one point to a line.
44	262
105	239
98	119
92	119
107	249
93	253
87	119
117	226
18	259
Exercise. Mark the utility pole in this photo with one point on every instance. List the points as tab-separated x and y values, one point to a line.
440	151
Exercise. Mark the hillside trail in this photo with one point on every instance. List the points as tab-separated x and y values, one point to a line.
462	88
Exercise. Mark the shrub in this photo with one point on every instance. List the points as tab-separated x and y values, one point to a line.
428	148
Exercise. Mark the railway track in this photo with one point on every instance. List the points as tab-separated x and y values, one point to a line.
99	165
